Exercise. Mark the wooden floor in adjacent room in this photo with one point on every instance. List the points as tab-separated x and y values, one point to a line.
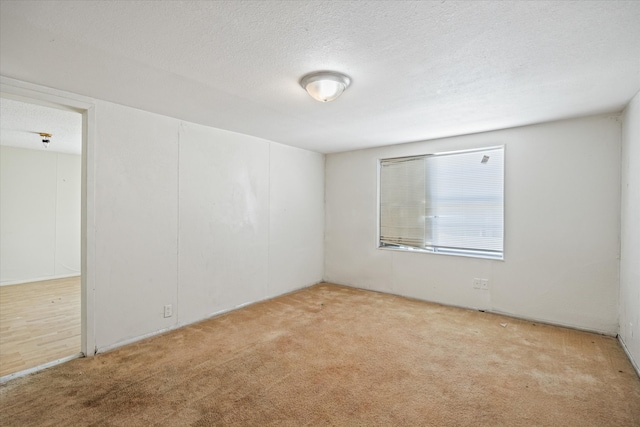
39	323
335	356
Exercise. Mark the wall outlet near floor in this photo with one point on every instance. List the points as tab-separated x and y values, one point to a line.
481	284
168	310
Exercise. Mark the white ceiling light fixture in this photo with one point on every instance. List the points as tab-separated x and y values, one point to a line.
325	86
46	139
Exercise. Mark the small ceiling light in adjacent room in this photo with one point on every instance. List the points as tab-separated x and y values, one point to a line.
46	139
325	86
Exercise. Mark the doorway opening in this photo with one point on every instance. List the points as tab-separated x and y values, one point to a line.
42	203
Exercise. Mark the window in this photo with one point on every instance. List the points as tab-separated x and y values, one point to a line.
451	203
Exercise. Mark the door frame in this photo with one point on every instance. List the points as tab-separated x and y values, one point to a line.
35	94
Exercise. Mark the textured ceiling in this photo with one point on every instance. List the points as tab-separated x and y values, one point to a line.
420	70
21	123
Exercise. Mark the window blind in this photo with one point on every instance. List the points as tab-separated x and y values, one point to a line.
446	203
402	202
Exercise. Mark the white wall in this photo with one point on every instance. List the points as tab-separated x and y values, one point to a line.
199	218
39	215
296	218
630	252
136	204
562	219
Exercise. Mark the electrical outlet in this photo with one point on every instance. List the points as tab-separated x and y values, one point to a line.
168	310
477	283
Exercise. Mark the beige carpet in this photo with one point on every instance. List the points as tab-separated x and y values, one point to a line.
331	355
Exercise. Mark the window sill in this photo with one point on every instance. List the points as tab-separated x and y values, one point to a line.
442	252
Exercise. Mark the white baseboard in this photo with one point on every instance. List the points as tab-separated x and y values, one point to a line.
38	279
626	350
608	332
39	368
179	324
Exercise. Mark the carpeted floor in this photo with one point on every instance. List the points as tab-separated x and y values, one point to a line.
330	355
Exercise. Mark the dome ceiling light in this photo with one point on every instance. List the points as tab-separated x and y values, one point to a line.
325	86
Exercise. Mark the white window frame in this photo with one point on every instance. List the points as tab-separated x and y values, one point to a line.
436	250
